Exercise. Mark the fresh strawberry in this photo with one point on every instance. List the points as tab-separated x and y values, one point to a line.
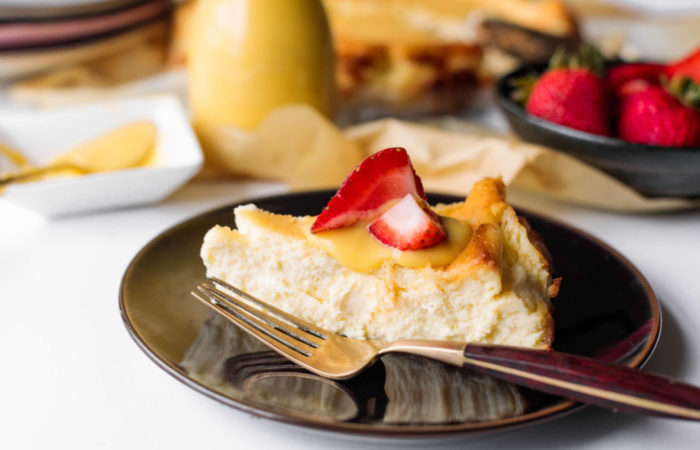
574	98
384	176
409	226
571	92
688	66
622	74
654	116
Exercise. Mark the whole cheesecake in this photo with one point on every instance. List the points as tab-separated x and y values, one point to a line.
488	282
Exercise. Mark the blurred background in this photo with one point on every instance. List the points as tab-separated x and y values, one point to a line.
392	57
231	63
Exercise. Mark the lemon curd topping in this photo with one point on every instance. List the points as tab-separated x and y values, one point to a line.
355	248
130	146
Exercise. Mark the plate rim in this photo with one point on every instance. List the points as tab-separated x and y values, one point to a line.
388	431
144	12
20	11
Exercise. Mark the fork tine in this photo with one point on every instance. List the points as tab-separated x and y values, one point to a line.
305	326
286	328
260	330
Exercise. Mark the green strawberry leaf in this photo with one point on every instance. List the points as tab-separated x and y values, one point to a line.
587	56
684	89
522	87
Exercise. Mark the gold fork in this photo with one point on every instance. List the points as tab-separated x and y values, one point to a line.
578	378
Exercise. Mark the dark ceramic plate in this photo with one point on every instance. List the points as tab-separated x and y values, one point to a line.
605	309
653	171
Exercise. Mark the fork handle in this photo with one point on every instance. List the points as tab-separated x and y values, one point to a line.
586	380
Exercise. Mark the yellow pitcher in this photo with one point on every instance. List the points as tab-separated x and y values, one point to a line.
248	57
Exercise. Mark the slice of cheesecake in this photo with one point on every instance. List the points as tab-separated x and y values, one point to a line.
496	287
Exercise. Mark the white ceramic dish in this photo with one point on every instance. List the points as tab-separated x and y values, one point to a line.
42	134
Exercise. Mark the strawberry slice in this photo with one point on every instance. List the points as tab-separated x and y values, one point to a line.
408	226
384	176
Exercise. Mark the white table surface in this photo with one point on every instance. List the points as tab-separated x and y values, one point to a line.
72	377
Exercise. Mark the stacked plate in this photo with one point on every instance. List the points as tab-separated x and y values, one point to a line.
40	34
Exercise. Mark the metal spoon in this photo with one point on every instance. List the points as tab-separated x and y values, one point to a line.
122	148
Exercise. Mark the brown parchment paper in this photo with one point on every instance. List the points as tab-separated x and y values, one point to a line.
297	145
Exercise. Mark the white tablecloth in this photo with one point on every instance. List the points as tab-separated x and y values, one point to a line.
72	377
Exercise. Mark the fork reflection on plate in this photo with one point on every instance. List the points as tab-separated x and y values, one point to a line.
331	355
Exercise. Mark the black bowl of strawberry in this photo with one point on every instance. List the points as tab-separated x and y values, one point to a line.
638	122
